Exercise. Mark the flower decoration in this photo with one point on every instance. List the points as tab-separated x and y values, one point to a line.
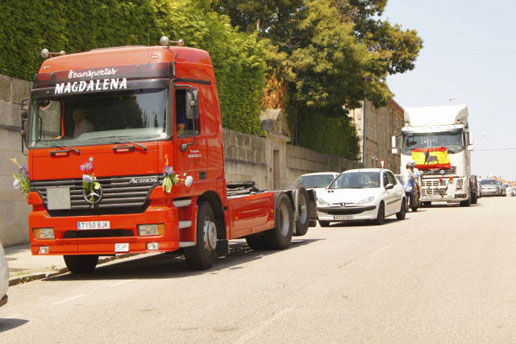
21	179
89	181
170	178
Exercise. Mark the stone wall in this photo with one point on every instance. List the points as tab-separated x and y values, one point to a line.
251	158
13	208
375	127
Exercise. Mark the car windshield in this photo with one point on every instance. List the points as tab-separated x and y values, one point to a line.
488	182
316	181
450	139
88	119
356	180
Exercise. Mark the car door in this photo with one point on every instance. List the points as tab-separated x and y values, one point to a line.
397	192
388	194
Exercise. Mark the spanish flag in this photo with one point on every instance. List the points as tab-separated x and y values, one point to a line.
431	158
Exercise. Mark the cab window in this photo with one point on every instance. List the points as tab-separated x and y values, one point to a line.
184	126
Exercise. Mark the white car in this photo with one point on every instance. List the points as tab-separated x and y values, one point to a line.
4	277
362	194
316	181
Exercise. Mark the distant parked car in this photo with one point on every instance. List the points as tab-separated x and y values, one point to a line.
513	191
316	181
4	277
362	194
507	188
491	187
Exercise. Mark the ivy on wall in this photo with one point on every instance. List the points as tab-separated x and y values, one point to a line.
79	25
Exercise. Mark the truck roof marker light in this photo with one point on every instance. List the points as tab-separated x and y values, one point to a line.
45	53
165	41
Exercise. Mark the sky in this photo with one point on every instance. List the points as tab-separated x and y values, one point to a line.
469	53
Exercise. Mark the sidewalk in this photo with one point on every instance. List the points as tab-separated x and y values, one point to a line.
24	267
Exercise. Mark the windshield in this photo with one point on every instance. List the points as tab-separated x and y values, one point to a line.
356	180
88	119
450	139
488	182
316	181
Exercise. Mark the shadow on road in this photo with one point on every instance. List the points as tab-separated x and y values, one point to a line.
7	324
173	265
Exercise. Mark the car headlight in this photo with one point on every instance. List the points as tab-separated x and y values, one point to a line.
322	203
366	200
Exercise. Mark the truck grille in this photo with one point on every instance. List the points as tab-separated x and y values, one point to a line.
433	187
121	195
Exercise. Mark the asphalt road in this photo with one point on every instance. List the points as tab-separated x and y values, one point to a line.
444	275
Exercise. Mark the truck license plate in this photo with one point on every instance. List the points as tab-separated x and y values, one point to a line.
122	247
343	217
93	225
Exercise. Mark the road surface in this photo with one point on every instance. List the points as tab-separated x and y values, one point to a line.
444	275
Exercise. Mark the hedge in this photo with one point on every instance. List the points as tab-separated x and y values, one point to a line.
79	25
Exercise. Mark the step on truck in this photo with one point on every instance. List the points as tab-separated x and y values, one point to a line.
126	155
438	139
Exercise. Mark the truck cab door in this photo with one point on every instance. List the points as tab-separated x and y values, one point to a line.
189	140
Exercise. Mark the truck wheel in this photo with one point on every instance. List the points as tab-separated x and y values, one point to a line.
203	254
324	223
256	241
474	198
280	236
303	217
380	218
81	264
403	211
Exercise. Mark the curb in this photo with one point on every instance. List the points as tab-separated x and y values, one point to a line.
42	275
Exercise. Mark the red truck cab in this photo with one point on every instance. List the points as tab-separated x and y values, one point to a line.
131	112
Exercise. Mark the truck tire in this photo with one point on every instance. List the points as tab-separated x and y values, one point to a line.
474	198
324	223
380	218
203	254
303	215
280	236
403	211
256	241
81	264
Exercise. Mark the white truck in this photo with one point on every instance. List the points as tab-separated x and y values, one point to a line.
439	140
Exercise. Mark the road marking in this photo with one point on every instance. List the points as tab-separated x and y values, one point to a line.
117	284
68	299
249	335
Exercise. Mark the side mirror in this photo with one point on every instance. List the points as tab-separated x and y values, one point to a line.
192	104
389	186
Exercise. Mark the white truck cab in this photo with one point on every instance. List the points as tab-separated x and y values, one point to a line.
439	140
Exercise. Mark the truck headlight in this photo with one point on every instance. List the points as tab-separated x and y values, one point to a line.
43	233
460	183
151	229
322	203
366	200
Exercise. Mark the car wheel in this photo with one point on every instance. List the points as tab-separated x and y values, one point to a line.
324	223
380	218
403	211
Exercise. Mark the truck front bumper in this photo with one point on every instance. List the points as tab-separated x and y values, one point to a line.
123	229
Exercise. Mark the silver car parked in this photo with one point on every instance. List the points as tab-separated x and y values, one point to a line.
491	187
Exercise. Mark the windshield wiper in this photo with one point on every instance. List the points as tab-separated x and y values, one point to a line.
73	149
123	140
